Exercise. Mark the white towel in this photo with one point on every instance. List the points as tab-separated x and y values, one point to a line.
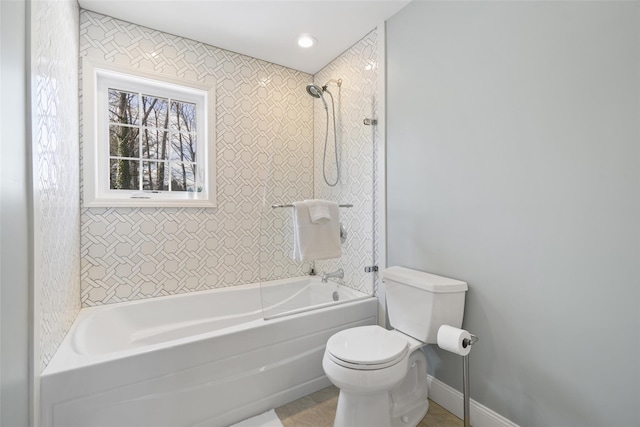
319	210
315	241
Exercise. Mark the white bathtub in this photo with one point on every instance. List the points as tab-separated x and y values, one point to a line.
199	359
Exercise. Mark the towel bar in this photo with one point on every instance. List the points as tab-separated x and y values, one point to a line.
348	205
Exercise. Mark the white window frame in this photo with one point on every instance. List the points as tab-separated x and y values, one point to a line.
97	78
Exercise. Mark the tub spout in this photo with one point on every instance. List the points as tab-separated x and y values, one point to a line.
337	274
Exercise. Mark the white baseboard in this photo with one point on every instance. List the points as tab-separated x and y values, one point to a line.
451	400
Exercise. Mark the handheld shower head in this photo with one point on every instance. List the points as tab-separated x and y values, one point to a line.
316	92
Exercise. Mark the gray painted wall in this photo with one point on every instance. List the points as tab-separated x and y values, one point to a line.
513	164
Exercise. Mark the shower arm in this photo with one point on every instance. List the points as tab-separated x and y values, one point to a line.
337	83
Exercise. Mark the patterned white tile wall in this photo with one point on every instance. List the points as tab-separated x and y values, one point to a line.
354	101
263	119
276	239
54	50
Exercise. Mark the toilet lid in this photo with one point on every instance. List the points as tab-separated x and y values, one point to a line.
370	346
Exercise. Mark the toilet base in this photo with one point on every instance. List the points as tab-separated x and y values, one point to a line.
373	411
408	401
404	406
363	410
412	417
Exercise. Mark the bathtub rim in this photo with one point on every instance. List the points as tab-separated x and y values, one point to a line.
66	358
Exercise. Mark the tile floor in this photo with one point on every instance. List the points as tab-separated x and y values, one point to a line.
318	410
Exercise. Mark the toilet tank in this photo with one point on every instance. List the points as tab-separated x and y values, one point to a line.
418	303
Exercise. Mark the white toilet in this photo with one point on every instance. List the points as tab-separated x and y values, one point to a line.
382	374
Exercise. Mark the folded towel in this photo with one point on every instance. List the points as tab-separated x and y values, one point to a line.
319	210
315	241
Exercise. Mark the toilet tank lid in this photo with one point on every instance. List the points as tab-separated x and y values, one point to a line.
420	279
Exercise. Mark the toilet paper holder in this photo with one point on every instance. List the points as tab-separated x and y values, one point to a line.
465	379
467	342
459	341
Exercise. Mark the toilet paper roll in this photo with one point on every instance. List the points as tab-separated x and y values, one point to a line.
451	339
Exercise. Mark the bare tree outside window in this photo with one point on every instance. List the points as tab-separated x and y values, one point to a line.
123	139
183	145
152	143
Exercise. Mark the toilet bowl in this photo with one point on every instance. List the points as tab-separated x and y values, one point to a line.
382	374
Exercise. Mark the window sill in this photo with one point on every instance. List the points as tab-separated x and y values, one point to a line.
138	202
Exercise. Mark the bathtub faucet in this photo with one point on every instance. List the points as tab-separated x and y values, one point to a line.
337	274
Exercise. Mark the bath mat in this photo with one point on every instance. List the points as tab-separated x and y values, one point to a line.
267	419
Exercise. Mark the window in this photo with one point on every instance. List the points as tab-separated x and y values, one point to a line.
148	140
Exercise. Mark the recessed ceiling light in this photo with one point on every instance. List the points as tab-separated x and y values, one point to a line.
306	40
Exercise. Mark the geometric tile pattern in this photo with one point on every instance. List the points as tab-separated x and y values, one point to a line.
54	63
264	132
354	101
289	178
268	151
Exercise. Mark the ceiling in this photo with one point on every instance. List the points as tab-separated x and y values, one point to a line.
263	29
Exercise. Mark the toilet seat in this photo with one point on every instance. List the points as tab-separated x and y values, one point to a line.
367	348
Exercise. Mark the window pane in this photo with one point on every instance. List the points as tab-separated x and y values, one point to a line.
183	177
155	144
123	107
155	112
124	174
183	116
155	176
123	141
183	147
